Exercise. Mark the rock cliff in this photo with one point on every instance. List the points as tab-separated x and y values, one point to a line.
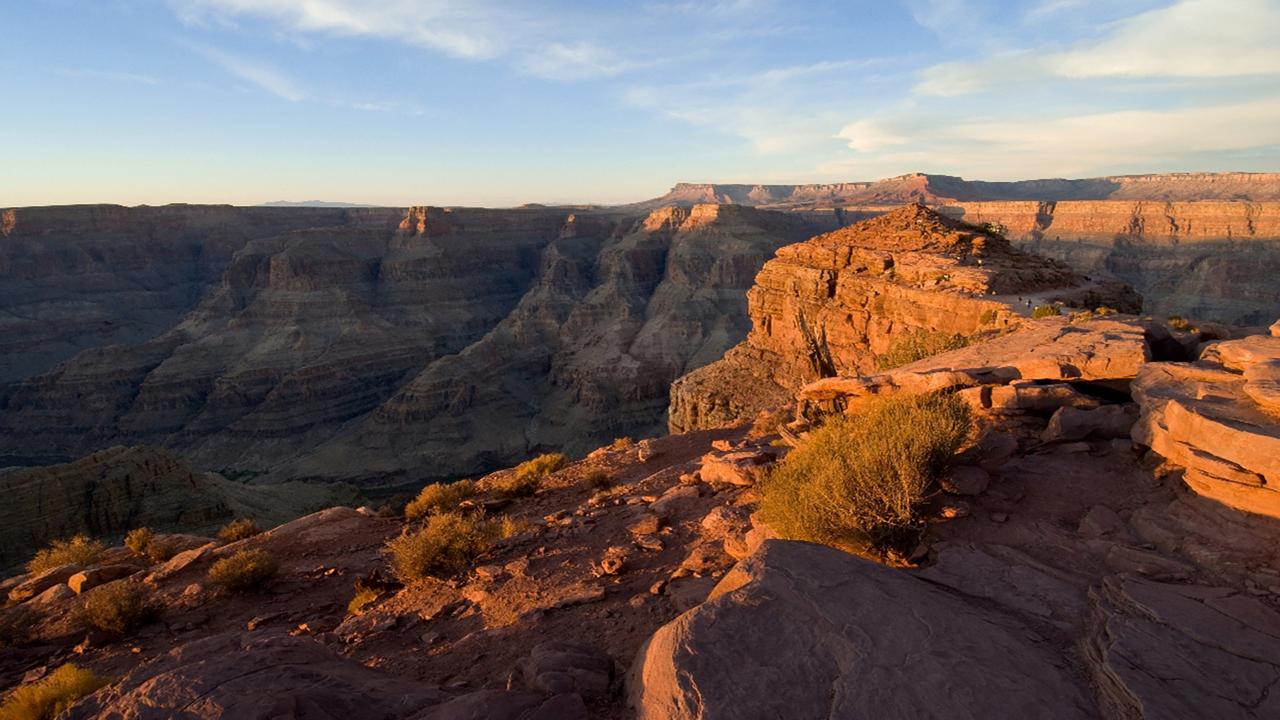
833	304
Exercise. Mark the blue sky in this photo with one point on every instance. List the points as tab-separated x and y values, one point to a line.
490	102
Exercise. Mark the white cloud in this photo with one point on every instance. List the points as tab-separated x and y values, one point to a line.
1189	39
110	75
1068	146
260	74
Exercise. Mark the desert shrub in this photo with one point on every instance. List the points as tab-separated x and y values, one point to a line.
117	608
1177	322
46	698
1043	311
1104	310
81	550
528	475
245	570
439	497
621	443
917	346
857	480
444	546
597	480
988	317
238	530
364	596
145	543
139	539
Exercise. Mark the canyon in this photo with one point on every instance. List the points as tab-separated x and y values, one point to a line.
396	346
1101	545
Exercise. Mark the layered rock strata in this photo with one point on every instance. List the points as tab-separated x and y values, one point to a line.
1219	419
831	305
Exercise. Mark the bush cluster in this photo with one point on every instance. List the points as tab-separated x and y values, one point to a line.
46	698
80	550
243	571
1044	311
239	530
438	498
857	481
117	608
918	346
145	543
444	546
529	474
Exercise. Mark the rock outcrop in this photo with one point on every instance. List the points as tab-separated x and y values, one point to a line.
800	630
829	306
1219	419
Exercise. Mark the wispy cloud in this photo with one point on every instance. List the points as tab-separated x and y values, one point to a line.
260	74
1189	39
1044	145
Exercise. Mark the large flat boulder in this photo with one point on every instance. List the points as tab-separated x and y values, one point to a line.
1203	417
804	631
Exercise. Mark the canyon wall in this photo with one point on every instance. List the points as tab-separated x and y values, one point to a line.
1208	260
427	344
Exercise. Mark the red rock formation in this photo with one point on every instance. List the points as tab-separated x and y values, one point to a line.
830	305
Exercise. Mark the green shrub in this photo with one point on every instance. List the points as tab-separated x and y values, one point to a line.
81	550
1043	311
918	346
528	475
45	699
117	608
439	497
988	317
245	570
857	481
238	530
444	546
1177	322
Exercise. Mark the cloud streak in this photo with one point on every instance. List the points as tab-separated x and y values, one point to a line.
261	75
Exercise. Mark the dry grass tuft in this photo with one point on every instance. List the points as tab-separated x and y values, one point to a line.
364	596
621	443
528	475
1044	311
45	699
117	608
80	550
245	570
597	480
857	481
446	545
438	498
239	530
918	346
145	543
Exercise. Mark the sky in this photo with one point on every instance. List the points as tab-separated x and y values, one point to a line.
496	102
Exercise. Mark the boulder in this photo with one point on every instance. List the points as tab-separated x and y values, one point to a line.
555	668
95	576
40	582
673	499
52	596
1069	424
743	468
182	561
724	519
507	705
1202	417
252	676
804	631
1100	521
1275	329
